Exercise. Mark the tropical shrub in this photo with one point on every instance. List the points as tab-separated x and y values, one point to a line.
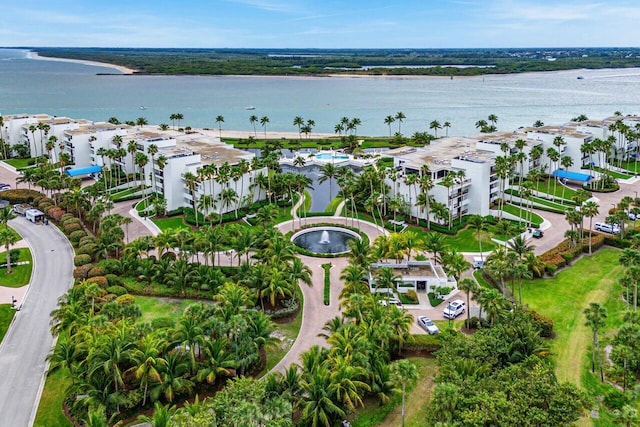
545	323
20	195
80	272
82	259
70	228
96	271
99	280
76	235
116	290
113	279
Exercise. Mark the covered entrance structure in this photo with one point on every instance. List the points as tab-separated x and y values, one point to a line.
83	171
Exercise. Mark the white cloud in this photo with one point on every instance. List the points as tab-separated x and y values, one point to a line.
268	5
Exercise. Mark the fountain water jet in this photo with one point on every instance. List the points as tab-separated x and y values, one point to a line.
324	238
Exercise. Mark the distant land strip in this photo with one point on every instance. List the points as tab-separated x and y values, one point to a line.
366	62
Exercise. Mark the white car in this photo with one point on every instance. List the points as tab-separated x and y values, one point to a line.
391	301
4	187
427	324
454	309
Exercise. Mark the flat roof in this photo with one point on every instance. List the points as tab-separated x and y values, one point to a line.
441	152
83	171
573	176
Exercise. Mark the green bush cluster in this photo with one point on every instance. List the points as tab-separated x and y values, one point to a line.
75	236
82	259
291	306
20	195
421	342
99	280
561	255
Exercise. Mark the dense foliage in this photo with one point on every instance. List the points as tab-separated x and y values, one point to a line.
501	376
443	62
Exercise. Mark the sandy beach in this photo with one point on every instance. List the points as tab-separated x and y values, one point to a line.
123	70
270	134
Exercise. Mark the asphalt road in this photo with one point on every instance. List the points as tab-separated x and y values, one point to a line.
28	341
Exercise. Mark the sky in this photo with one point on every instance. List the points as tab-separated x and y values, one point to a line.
321	23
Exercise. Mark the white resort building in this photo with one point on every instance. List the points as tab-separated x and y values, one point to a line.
92	146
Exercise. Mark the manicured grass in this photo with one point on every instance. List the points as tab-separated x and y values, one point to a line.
6	315
477	274
288	332
615	174
565	296
166	224
50	408
464	241
416	401
524	214
155	308
20	274
555	189
632	166
333	205
327	283
19	163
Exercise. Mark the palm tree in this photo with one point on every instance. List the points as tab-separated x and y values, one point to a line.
191	181
227	198
468	285
388	121
400	117
480	226
298	121
446	127
8	238
590	209
596	315
492	302
263	121
219	121
328	171
403	373
147	360
253	119
435	125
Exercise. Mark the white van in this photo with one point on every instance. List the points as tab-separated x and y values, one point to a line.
478	262
607	228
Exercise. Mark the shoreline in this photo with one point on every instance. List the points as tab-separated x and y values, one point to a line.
122	69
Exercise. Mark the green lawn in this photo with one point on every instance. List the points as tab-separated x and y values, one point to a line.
19	163
333	205
554	188
565	296
615	174
523	213
50	408
174	222
288	332
416	401
631	165
6	314
20	274
155	308
464	241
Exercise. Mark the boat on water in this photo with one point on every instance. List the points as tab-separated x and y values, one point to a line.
250	107
580	78
142	107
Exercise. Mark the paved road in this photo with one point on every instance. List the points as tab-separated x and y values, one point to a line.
26	345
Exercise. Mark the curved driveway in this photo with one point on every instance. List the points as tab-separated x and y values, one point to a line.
28	341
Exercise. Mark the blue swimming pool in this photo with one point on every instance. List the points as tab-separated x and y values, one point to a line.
329	156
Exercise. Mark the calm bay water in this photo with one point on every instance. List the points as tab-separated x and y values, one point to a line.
74	90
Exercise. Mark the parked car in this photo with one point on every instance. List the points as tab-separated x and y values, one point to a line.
607	228
427	324
537	233
391	301
632	216
454	309
4	187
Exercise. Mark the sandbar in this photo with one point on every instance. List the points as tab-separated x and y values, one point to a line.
123	70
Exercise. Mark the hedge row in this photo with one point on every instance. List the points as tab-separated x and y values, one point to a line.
564	253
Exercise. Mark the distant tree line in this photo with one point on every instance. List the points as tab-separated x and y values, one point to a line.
446	62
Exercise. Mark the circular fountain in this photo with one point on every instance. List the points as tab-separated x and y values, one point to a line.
325	240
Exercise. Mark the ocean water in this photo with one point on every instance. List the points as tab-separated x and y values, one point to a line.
76	90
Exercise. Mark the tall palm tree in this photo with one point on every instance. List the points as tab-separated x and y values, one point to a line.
479	226
590	210
468	285
435	125
191	181
253	119
446	127
264	121
328	171
219	121
388	121
400	118
298	121
596	315
404	372
147	359
8	238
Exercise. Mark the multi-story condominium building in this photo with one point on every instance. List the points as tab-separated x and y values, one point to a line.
85	142
35	130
